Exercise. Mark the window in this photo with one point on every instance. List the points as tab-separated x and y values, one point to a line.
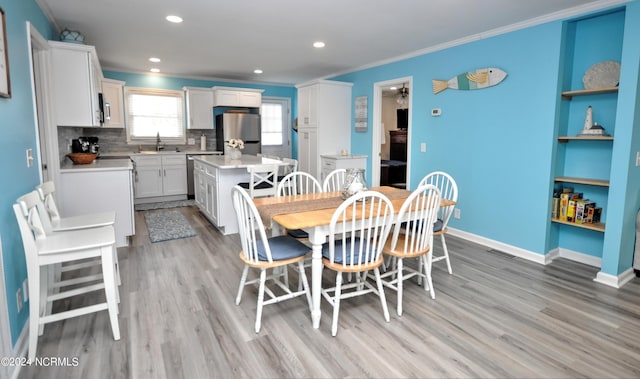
271	115
153	111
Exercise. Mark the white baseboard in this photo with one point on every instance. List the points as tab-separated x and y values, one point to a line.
580	257
509	249
613	280
602	278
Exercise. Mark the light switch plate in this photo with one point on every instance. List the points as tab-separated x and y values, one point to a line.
423	147
191	141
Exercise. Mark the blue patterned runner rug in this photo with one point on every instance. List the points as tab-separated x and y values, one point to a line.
167	225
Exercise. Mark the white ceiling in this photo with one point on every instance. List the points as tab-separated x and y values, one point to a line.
229	39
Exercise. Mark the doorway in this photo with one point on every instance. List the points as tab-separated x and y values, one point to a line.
391	133
275	115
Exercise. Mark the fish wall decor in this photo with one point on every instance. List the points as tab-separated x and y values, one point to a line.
477	79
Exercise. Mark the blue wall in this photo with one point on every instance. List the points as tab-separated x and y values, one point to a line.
18	130
500	142
496	142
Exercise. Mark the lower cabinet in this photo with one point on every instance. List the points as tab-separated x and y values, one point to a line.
332	162
212	189
160	177
85	191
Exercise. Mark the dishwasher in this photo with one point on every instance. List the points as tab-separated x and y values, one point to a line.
190	185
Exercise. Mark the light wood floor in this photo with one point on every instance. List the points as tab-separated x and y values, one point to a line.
496	317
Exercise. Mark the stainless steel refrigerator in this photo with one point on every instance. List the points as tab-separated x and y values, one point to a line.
244	126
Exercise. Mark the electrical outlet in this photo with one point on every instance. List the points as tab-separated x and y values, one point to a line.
423	147
191	141
19	299
638	158
456	213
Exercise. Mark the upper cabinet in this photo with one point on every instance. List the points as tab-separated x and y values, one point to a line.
77	84
199	107
113	103
237	97
307	97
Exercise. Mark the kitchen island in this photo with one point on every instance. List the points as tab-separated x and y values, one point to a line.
102	186
214	177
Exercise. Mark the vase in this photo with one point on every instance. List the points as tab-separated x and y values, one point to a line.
235	154
354	183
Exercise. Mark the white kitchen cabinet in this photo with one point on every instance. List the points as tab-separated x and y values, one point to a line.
103	186
113	100
306	111
237	97
324	116
332	162
199	107
160	177
77	84
308	150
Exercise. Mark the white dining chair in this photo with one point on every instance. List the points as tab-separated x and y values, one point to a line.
42	250
298	183
262	253
263	180
53	222
334	180
357	233
412	237
448	190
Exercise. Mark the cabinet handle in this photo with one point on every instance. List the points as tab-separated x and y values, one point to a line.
107	111
159	172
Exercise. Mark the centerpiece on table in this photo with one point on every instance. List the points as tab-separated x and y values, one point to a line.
235	145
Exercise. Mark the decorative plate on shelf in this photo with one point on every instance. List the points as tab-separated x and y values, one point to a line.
603	74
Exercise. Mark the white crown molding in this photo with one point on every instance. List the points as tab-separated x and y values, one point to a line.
563	14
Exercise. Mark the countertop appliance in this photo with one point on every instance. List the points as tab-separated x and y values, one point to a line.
191	189
85	145
244	126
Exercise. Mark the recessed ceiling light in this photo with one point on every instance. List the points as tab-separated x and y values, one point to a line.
318	44
154	60
155	70
257	71
393	88
174	19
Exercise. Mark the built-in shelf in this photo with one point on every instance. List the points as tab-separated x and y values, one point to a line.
591	182
584	138
598	227
582	92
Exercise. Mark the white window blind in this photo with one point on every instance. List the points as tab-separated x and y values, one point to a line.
271	116
153	111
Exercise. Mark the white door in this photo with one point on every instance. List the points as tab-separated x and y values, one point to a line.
276	131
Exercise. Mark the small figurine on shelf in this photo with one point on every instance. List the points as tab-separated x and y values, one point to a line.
590	128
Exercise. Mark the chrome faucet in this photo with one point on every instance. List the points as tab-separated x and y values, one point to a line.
159	144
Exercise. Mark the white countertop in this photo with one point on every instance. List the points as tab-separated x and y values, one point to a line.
225	162
168	152
98	165
340	156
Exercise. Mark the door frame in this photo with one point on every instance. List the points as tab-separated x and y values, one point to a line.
41	83
377	127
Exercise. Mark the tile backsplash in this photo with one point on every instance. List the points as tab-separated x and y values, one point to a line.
115	140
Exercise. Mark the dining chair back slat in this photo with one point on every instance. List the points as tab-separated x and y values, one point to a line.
448	190
334	181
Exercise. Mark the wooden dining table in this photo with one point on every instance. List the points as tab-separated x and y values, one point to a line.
312	213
